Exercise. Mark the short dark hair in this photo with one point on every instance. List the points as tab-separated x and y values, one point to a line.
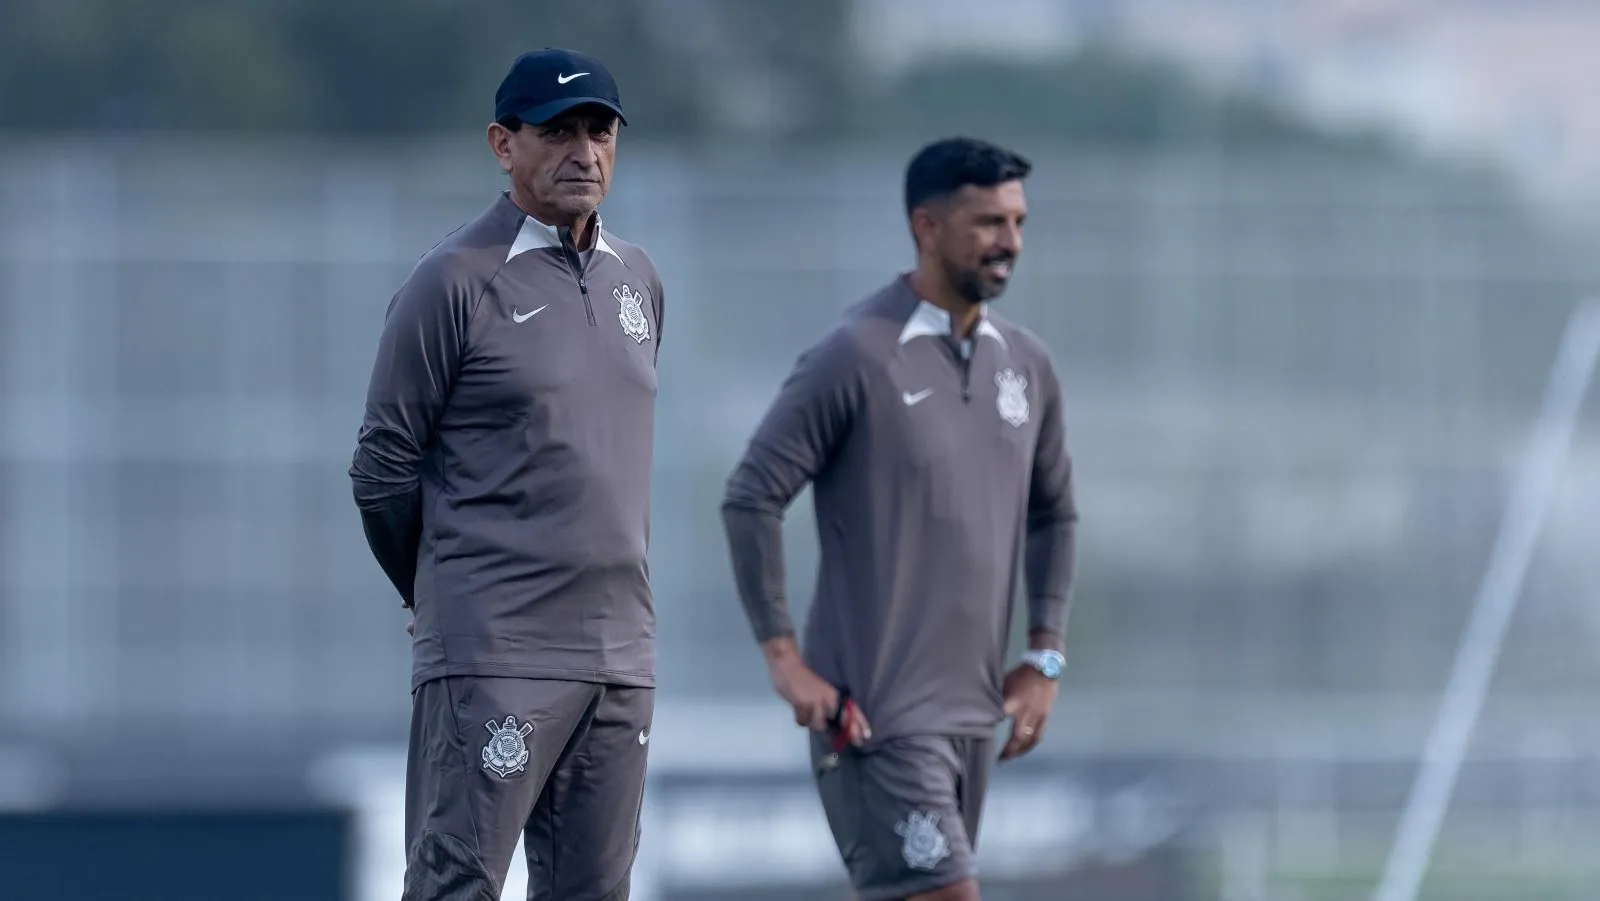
946	166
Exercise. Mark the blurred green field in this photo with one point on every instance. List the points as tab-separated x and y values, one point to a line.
1460	884
1526	855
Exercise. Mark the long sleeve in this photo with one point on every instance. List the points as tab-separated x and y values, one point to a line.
419	354
1051	549
807	422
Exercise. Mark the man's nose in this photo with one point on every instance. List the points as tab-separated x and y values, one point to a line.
585	152
1010	239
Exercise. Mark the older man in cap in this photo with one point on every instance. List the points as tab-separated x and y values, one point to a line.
502	474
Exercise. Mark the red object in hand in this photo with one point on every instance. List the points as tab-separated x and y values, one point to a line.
839	724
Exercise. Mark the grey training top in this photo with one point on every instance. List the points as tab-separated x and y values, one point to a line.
503	466
933	461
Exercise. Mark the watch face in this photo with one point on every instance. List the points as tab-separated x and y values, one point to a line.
1048	664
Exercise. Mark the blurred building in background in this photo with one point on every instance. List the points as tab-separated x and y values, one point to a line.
1299	368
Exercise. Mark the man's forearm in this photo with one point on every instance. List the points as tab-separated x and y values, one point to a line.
383	480
1046	640
780	650
393	526
755	542
1050	557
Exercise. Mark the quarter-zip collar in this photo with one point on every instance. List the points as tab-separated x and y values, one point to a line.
929	321
535	235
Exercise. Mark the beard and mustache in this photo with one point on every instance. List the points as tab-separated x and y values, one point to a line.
985	282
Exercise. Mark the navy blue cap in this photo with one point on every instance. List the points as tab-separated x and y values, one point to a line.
545	83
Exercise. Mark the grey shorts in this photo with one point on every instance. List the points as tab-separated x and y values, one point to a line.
905	814
561	764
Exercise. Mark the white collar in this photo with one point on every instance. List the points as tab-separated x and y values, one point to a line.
928	320
535	235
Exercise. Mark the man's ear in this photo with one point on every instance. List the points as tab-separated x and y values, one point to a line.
924	225
499	138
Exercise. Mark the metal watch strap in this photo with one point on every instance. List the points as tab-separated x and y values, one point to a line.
1050	663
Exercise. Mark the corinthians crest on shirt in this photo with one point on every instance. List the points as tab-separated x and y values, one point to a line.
630	312
1012	400
506	753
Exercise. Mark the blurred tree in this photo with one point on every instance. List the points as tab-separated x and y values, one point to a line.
708	68
697	71
398	66
703	70
1097	97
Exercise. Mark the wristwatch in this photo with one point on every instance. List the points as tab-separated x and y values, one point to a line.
1049	663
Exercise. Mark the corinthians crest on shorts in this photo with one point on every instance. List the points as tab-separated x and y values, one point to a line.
1012	400
630	313
924	844
506	753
